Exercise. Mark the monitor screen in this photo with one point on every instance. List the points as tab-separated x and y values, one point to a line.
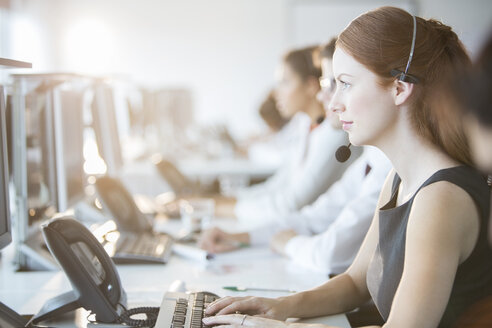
72	105
5	233
39	159
105	127
9	121
54	127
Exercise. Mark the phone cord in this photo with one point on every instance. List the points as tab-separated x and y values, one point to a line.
150	312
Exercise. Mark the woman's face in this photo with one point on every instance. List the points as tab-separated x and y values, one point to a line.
327	84
480	138
366	110
291	93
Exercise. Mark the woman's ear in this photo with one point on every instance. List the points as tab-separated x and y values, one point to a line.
402	91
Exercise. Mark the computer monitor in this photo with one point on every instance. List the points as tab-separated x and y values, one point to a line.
5	230
48	158
105	127
69	136
9	122
8	317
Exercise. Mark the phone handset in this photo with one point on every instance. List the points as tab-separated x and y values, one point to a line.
92	274
120	203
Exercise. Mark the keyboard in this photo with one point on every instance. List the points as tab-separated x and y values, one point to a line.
142	248
182	310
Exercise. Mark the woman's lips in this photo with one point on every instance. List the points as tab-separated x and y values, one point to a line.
346	125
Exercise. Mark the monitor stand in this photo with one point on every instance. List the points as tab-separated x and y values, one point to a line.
33	255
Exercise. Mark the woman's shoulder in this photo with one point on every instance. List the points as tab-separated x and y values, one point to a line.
445	209
453	187
456	184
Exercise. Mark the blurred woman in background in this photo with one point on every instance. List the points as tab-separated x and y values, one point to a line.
312	167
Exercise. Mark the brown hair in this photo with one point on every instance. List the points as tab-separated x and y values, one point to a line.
302	62
327	50
381	40
270	114
473	89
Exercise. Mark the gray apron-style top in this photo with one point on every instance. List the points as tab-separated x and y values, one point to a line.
473	279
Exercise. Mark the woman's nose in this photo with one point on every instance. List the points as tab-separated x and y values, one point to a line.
335	105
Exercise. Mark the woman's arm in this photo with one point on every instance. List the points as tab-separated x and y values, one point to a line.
340	294
348	290
441	233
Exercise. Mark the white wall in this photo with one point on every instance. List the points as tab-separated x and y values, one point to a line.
315	21
224	50
471	19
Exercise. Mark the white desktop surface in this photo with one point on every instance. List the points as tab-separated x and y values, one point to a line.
26	292
142	177
226	166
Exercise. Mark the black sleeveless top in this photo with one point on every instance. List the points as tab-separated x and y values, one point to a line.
473	279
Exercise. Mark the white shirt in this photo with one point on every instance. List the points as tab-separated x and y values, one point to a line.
279	146
306	175
332	229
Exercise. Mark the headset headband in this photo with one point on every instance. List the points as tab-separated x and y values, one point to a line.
404	76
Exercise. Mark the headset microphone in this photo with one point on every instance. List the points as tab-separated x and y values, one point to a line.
343	153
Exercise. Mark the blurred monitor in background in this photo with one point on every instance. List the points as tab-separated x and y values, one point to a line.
71	177
5	227
8	317
105	126
48	114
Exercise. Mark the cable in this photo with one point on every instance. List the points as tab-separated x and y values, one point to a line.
150	312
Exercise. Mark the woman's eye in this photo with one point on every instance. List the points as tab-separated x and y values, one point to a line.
344	85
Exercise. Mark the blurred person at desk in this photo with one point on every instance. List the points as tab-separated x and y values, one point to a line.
471	95
426	257
326	235
282	137
313	167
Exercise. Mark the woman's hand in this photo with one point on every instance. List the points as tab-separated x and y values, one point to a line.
238	320
274	308
280	240
215	240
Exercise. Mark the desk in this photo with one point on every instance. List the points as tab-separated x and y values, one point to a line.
145	285
142	177
227	166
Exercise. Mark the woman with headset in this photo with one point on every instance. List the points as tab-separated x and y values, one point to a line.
426	257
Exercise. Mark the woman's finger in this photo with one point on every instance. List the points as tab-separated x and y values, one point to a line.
243	305
219	304
229	319
225	245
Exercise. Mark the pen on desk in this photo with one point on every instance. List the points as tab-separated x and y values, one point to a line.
237	244
243	289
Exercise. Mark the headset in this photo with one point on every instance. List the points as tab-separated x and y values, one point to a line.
404	76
